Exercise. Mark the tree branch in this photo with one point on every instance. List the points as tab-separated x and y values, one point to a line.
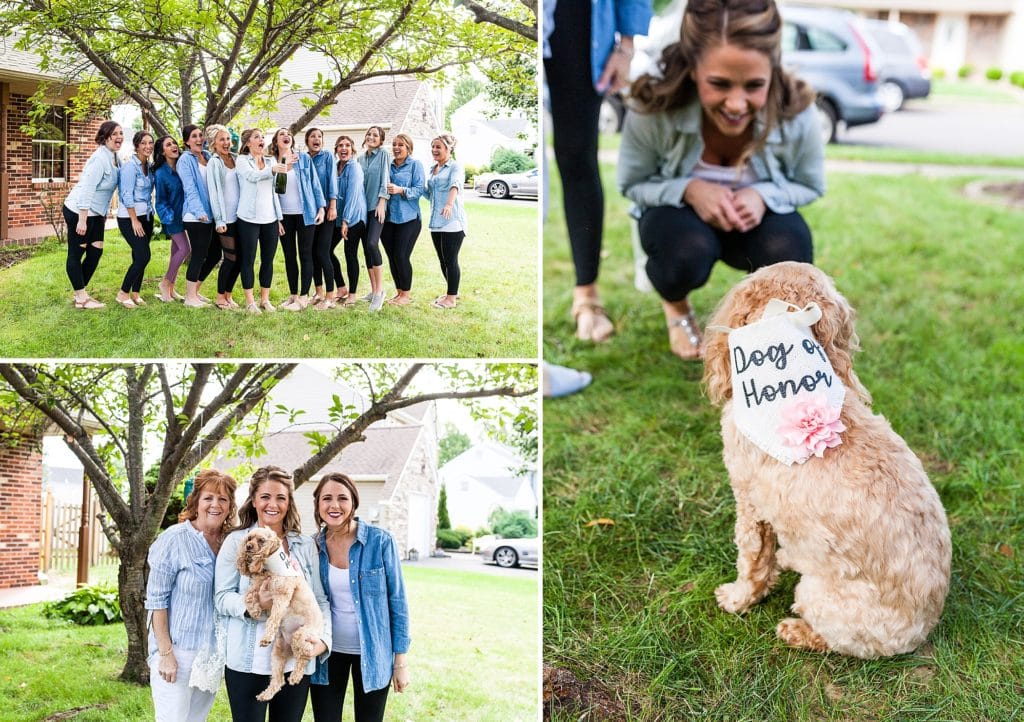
483	14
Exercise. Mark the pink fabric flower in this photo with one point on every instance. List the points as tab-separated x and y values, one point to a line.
811	425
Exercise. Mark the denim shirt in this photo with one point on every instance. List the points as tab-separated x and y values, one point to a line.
376	167
96	185
170	199
197	197
351	197
181	566
660	150
449	176
326	168
404	206
229	598
135	189
310	192
379	595
248	176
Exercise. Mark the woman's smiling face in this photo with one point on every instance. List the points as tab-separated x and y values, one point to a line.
732	85
335	505
271	504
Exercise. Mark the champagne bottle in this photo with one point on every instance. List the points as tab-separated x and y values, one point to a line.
281	183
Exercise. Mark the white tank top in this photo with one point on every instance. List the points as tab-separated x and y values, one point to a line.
291	201
344	629
725	175
231	196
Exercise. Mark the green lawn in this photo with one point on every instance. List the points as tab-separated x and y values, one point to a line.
629	609
473	659
496	317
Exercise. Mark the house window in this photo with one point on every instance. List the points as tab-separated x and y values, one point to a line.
49	146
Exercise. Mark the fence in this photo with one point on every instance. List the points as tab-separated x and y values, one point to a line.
59	536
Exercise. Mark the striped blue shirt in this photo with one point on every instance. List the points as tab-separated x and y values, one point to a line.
181	567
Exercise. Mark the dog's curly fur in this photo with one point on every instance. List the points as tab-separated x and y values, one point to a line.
295	614
863	526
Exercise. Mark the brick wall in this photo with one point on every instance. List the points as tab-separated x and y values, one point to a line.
21	490
23	204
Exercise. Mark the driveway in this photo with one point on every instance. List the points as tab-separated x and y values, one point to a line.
466	563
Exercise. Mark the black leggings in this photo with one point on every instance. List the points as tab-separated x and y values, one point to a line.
447	244
329	698
297	245
140	251
575	107
205	250
231	267
287	705
355	237
398	240
253	235
323	255
371	241
681	248
83	251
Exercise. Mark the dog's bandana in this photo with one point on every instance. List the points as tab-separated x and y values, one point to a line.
279	565
786	395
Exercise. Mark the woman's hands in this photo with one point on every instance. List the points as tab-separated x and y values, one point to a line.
382	205
168	667
137	228
616	70
400	678
723	208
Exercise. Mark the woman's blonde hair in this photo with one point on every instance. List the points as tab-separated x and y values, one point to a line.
211	133
247	513
405	139
449	141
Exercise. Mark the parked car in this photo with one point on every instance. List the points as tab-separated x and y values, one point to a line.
903	70
508	185
512	552
830	49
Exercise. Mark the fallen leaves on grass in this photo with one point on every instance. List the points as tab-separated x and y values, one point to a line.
600	522
72	713
1006	550
565	693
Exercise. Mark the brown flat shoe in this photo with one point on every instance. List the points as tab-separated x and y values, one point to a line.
684	337
592	322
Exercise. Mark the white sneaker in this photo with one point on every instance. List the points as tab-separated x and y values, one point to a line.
376	301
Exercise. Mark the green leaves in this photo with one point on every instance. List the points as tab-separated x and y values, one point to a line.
96	604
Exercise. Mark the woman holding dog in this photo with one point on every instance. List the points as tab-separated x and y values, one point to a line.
721	151
271	505
360	571
179	596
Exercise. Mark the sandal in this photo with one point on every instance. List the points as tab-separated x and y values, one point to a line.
592	322
138	301
89	303
685	328
253	308
225	305
126	302
324	304
267	306
437	304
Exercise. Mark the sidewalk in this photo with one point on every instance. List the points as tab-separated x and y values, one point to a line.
57	588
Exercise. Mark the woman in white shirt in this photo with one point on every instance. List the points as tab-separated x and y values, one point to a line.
259	217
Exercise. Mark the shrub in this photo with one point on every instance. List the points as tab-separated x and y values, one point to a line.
96	604
448	539
473	171
513	524
965	71
994	74
938	73
506	160
465	534
1017	78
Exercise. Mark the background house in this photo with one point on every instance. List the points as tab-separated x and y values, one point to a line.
51	162
479	136
395	468
483	478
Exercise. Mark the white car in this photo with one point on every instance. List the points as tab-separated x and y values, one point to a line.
512	552
508	185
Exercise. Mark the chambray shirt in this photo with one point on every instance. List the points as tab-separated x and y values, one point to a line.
134	189
229	598
170	199
378	591
608	19
376	167
181	566
659	151
310	191
449	176
197	197
248	176
96	185
351	196
325	167
404	206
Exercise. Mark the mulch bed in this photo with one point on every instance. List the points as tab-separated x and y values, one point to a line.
15	255
1010	193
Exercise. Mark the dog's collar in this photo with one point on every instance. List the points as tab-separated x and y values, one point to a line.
278	565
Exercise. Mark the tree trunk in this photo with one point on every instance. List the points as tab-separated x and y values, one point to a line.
131	583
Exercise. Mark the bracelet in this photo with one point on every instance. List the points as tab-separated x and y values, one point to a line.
164	654
628	52
401	666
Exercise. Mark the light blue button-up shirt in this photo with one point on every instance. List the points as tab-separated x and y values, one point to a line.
404	206
376	167
197	196
382	614
95	187
449	176
181	566
134	188
351	195
325	167
310	191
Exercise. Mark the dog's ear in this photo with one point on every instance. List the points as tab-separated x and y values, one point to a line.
836	333
738	308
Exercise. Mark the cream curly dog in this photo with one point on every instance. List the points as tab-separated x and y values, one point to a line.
294	617
862	524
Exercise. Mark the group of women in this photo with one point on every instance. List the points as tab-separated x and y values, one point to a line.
195	596
223	209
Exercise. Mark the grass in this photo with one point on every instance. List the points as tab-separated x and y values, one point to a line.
629	608
473	658
496	318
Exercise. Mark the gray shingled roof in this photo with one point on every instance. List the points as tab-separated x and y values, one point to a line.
21	64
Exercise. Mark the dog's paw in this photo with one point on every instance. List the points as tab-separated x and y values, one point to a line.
265	642
297	674
798	633
734	597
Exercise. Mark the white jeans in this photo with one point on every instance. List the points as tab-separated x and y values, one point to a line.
178	702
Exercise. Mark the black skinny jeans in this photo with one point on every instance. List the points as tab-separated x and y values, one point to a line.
287	705
371	241
230	267
682	249
328	699
323	255
84	252
297	245
575	107
140	251
205	250
447	245
253	236
398	240
355	237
